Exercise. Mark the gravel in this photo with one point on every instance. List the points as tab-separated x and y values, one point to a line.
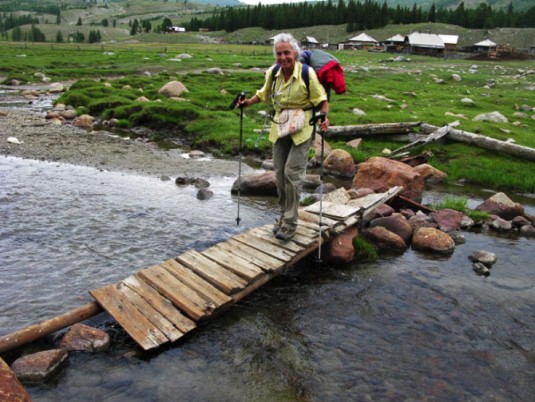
41	140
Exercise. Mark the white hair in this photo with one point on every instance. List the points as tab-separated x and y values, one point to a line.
287	38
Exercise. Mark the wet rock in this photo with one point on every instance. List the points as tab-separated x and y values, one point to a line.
527	230
325	188
485	257
268	164
311	182
407	213
458	237
384	239
256	184
195	154
341	250
480	269
467	222
173	89
380	174
68	114
39	366
56	87
339	163
82	337
397	224
519	221
422	221
11	390
501	205
500	225
184	181
431	239
447	219
204	194
430	174
201	183
379	212
84	120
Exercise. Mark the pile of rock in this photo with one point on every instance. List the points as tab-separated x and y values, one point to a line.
40	366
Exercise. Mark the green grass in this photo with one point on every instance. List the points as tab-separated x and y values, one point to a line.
111	78
461	204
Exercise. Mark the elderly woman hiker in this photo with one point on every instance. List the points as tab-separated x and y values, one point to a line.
290	133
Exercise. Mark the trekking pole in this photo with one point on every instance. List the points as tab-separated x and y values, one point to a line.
313	121
234	103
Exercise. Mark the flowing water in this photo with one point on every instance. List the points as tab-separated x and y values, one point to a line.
407	327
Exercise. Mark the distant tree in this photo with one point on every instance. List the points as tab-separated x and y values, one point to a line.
16	34
135	27
79	22
105	22
166	24
58	18
36	35
114	23
59	37
432	13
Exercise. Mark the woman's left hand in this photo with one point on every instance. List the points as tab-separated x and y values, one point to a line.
324	125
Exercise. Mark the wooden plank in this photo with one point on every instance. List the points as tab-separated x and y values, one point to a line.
333	211
234	263
266	234
305	231
214	273
181	295
128	317
264	261
264	246
160	303
309	217
195	282
150	313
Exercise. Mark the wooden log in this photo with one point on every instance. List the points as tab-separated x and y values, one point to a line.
37	331
364	130
485	142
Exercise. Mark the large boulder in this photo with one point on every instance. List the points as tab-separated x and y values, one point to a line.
501	205
397	224
384	239
430	173
341	249
256	184
39	366
339	163
448	220
431	239
173	89
82	337
10	388
380	174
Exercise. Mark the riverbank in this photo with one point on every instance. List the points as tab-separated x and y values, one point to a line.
30	136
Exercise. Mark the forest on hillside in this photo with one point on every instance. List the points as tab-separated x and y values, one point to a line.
360	16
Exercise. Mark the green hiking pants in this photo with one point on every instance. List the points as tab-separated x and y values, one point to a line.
290	163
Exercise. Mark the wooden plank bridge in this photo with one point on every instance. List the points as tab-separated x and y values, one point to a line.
162	303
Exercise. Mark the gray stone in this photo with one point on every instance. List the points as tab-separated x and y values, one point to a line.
485	257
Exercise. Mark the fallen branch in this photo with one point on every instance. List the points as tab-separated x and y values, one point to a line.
435	135
363	130
485	142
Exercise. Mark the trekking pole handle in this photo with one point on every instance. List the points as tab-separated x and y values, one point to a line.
239	98
321	116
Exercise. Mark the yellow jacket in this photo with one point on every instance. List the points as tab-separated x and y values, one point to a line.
292	94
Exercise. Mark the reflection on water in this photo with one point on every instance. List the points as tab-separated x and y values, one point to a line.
410	327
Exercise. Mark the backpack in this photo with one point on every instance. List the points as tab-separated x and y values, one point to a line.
327	67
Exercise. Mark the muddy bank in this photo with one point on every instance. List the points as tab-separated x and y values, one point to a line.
40	140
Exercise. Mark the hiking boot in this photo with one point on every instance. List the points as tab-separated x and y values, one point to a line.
277	226
286	232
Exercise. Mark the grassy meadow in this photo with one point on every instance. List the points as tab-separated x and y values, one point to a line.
109	78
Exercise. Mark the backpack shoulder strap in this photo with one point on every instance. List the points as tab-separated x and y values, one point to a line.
306	76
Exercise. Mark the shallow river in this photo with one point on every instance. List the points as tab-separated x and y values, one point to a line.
409	327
